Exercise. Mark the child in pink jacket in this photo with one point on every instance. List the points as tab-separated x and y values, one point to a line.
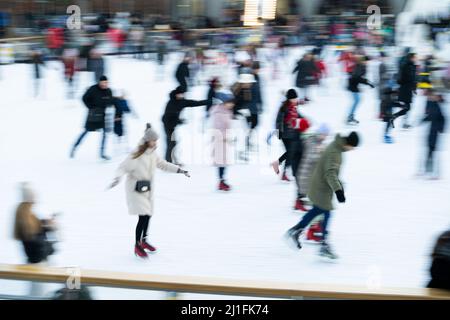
222	116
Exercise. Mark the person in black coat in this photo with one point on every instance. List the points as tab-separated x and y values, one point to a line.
433	115
389	101
440	266
182	74
38	62
306	69
408	83
97	98
171	117
357	77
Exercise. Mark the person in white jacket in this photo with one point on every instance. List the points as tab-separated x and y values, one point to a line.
139	167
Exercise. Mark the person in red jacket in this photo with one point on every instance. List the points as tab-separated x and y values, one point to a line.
349	61
55	40
290	124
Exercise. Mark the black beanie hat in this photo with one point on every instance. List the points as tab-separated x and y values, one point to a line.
352	139
103	78
291	94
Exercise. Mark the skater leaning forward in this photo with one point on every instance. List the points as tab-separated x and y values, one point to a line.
139	167
324	182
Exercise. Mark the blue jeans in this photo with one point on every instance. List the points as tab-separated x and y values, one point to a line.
310	215
83	135
356	99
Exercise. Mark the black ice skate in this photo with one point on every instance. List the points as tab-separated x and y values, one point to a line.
325	251
106	158
352	122
293	236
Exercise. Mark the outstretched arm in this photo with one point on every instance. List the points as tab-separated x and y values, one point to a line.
196	103
124	168
170	167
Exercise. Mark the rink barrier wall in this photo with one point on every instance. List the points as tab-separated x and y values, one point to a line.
205	285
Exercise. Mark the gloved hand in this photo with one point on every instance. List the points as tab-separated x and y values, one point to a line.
186	173
340	196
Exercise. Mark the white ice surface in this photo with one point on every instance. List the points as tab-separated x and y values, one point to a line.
383	234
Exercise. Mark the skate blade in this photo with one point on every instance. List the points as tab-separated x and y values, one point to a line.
328	258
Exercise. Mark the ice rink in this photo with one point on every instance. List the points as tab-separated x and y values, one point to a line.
383	234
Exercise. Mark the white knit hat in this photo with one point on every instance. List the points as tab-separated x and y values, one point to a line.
150	134
28	194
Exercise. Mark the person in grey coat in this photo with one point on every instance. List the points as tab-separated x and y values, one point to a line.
313	146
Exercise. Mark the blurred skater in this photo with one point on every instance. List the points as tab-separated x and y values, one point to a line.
440	266
222	117
171	118
121	110
324	183
436	118
356	78
97	98
290	125
32	233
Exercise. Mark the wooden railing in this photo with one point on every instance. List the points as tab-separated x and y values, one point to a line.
214	286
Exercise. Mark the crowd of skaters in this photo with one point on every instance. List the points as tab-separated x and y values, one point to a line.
315	164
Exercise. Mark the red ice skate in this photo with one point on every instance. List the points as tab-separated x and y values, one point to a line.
314	233
223	186
140	252
147	246
299	205
284	177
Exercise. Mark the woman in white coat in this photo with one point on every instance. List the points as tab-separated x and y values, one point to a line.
139	168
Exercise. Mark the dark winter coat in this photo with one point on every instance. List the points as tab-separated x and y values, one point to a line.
383	78
440	267
436	118
305	73
182	74
325	179
211	95
256	102
97	100
171	117
121	107
357	77
38	248
407	81
243	97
